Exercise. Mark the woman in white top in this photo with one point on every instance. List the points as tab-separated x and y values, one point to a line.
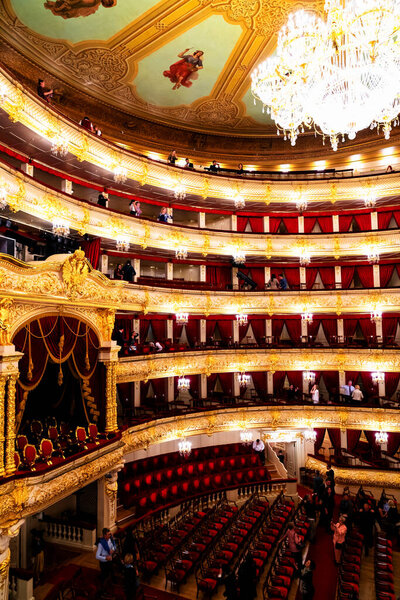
357	394
315	394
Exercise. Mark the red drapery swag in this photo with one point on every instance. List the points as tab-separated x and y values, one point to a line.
274	223
258	327
219	276
384	219
368	328
278	380
292	275
329	327
311	275
294	329
331	379
345	222
92	251
277	326
320	439
391	383
385	274
396	214
242	223
326	223
366	275
160	386
389	326
259	381
347	274
257	274
192	328
393	443
363	221
226	380
314	327
257	224
349	326
295	378
159	327
309	224
327	276
211	381
334	436
292	224
353	436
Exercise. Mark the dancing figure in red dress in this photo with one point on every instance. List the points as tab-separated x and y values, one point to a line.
183	71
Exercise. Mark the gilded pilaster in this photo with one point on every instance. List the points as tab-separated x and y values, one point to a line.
111	396
3	380
4	573
10	424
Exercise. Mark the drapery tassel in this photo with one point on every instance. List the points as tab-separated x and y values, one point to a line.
61	347
60	376
87	363
29	374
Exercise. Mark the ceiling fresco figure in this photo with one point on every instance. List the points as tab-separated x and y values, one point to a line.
68	9
185	70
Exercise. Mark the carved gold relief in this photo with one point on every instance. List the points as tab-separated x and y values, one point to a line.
74	272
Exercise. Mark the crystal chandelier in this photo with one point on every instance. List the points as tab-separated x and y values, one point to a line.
310	435
381	437
183	383
373	255
59	147
181	253
122	244
180	192
304	258
378	377
370	198
242	319
120	174
300	201
309	376
3	198
376	315
185	448
239	201
182	318
60	227
246	437
239	257
307	317
243	379
337	76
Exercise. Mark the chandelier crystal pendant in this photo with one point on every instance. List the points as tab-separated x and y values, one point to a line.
246	437
378	377
122	244
370	198
335	76
180	192
185	448
183	383
120	174
239	257
182	318
3	198
381	437
309	376
376	315
310	435
243	379
59	147
239	201
373	256
60	227
307	317
181	253
304	258
242	319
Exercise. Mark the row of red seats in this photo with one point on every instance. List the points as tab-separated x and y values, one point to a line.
171	459
283	568
350	567
231	544
177	492
384	581
186	560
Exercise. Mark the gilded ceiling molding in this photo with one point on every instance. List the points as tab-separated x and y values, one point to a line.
359	476
35	199
24	107
38	287
143	368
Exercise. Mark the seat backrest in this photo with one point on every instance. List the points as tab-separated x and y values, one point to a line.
52	432
30	454
22	441
80	434
36	427
46	448
93	431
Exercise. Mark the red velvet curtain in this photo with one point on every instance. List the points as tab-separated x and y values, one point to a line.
327	276
159	327
159	386
334	436
309	223
219	276
274	223
277	326
242	222
326	224
92	251
311	275
320	439
292	275
210	327
259	382
295	378
393	443
363	221
396	214
367	327
384	219
330	328
225	329
391	383
347	273
294	329
345	222
314	327
349	326
258	327
331	379
385	272
144	325
257	224
278	379
226	380
192	331
257	274
353	436
211	381
389	326
366	275
292	224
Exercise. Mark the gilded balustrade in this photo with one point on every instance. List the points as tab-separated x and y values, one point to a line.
35	199
24	107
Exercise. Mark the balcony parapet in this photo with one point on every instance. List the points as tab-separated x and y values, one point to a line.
358	476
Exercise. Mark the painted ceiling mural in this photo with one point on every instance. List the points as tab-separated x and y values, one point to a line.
178	62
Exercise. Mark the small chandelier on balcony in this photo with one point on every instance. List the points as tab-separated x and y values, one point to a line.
180	192
3	197
60	227
120	174
378	377
183	383
242	319
300	201
122	244
307	317
181	253
381	437
243	379
185	448
305	258
310	435
373	255
59	146
239	257
370	198
246	437
309	376
376	315
182	318
239	201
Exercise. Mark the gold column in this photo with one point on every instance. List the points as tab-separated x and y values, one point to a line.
3	380
111	396
4	571
10	424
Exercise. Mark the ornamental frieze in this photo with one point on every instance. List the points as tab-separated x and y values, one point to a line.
359	476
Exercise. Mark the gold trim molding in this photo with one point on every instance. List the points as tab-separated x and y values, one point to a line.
359	476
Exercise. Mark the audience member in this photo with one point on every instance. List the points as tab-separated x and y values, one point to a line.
134	208
314	394
309	504
102	199
37	555
273	283
259	449
366	520
330	474
43	92
131	577
163	216
328	504
294	545
283	283
188	164
119	337
133	342
347	390
346	508
159	347
306	580
247	578
357	394
389	169
231	585
118	272
240	168
318	484
106	549
87	124
281	456
128	271
130	545
339	535
214	167
172	158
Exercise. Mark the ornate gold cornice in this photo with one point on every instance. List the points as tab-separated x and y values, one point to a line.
24	107
359	476
139	368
